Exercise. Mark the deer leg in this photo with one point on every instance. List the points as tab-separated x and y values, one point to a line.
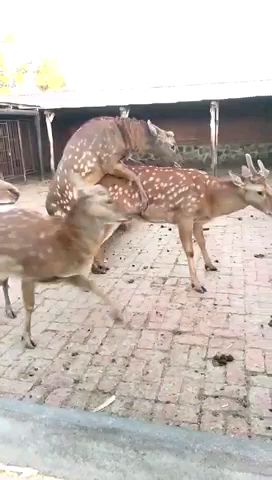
89	286
98	263
8	309
199	236
121	171
185	233
28	289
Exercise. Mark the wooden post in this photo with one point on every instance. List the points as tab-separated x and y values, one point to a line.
21	148
124	111
49	117
214	125
39	141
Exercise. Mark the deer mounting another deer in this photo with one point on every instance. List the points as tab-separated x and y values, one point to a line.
188	198
40	248
99	147
9	194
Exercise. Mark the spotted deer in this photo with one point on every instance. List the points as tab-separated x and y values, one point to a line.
188	198
41	248
9	194
99	147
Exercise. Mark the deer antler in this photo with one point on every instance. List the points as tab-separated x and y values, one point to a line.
263	171
250	164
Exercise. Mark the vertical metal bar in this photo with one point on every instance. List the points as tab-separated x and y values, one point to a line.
28	127
9	152
21	148
39	141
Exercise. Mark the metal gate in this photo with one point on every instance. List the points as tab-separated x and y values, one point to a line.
18	148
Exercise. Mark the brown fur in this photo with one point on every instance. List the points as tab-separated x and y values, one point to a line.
187	198
9	194
45	249
98	147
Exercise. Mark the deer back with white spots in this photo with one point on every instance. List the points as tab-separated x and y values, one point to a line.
40	248
99	147
189	198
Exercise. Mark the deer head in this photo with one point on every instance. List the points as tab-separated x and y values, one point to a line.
253	185
94	201
163	142
9	194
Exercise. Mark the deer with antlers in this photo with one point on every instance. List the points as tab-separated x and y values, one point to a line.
40	248
99	147
188	198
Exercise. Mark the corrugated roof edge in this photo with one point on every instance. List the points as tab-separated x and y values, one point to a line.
142	96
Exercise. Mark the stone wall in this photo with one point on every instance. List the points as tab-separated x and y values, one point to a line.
227	154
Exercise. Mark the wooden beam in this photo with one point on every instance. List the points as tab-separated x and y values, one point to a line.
49	117
39	141
214	126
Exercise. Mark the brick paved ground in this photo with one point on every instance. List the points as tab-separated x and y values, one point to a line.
159	363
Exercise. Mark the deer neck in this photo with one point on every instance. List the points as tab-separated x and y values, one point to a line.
84	232
227	199
135	134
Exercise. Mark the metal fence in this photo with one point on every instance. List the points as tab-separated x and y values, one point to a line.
18	148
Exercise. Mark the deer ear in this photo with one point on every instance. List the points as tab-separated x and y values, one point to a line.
236	180
152	128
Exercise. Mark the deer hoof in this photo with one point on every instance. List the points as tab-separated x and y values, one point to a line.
199	289
28	342
211	268
99	269
10	313
117	316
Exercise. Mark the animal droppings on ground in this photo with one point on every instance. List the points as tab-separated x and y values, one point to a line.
221	360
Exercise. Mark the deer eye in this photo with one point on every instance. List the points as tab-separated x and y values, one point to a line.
261	193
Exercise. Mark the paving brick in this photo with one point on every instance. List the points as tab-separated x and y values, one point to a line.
58	397
212	421
237	426
268	362
254	360
163	351
108	384
189	393
260	401
197	357
222	404
236	374
200	340
170	389
179	354
261	426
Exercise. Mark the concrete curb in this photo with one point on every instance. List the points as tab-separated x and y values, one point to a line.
70	444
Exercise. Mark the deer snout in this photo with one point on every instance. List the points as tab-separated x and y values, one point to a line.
15	194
